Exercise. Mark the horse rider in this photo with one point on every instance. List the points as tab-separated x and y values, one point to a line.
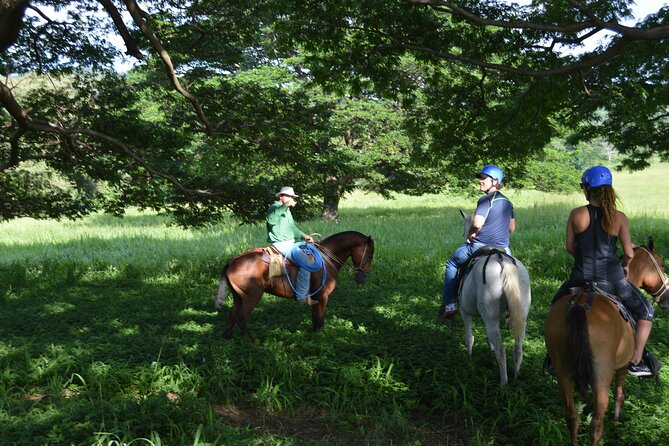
593	231
491	225
282	233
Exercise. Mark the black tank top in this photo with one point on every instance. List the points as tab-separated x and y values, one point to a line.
596	256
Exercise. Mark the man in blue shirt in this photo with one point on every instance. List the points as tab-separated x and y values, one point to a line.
491	225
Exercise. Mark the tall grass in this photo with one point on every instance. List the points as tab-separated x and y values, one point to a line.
108	335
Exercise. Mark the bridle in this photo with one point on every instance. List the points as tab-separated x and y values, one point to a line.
657	294
330	257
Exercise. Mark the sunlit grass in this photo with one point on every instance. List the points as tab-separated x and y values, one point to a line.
108	335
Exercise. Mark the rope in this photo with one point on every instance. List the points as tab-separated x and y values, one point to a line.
308	249
663	277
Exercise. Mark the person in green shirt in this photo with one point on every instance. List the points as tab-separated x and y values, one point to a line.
283	233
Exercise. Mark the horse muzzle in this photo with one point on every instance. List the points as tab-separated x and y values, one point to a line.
360	276
663	299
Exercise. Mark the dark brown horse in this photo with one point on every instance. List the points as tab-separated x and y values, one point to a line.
589	341
248	277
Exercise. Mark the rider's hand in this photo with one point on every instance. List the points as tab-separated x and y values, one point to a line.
308	238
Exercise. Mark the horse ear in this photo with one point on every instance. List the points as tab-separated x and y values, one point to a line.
650	243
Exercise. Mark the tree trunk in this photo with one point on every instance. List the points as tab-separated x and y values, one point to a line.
11	21
331	197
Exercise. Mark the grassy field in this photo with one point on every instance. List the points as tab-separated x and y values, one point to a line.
108	336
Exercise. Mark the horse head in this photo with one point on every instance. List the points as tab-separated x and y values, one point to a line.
646	271
468	223
362	256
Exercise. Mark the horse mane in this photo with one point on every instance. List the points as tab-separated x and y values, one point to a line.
344	234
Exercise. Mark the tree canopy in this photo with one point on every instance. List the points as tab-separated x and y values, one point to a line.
228	101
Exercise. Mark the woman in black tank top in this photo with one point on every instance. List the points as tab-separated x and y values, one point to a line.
593	232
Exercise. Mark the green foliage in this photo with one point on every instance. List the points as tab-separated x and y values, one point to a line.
552	171
326	96
35	190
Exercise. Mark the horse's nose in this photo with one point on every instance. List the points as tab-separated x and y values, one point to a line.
360	276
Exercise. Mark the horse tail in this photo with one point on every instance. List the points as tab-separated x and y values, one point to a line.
579	340
222	289
517	310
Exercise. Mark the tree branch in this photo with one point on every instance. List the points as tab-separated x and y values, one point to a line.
599	59
461	12
15	110
130	43
655	33
136	14
26	124
595	24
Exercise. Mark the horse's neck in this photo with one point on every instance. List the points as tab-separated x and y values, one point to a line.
339	249
641	266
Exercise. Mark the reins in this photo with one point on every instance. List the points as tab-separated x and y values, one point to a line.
330	256
663	288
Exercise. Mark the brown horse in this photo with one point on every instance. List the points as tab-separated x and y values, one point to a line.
248	277
588	342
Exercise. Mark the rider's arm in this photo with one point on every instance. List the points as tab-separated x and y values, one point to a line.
275	212
570	239
477	224
625	240
512	225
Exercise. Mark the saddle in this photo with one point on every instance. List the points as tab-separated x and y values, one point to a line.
276	261
484	253
600	287
278	264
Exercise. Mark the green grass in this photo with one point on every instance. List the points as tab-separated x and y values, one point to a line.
108	336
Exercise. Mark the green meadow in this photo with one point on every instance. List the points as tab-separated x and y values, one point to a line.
108	335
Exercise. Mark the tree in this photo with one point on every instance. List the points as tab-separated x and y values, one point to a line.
498	74
221	110
231	121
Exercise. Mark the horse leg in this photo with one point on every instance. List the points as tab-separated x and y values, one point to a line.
318	313
232	316
497	347
517	356
621	374
469	336
566	388
249	302
601	401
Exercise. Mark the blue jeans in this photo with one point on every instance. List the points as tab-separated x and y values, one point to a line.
303	275
454	263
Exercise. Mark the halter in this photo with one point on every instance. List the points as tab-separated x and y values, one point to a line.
663	288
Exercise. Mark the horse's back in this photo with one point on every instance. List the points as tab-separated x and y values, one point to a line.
491	282
610	336
247	268
610	333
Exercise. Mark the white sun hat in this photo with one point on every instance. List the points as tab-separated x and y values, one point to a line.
286	191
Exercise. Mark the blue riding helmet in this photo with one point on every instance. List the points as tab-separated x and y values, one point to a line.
493	172
597	176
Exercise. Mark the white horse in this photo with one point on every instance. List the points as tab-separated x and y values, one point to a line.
495	284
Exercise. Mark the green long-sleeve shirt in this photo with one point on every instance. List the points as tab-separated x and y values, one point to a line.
280	224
